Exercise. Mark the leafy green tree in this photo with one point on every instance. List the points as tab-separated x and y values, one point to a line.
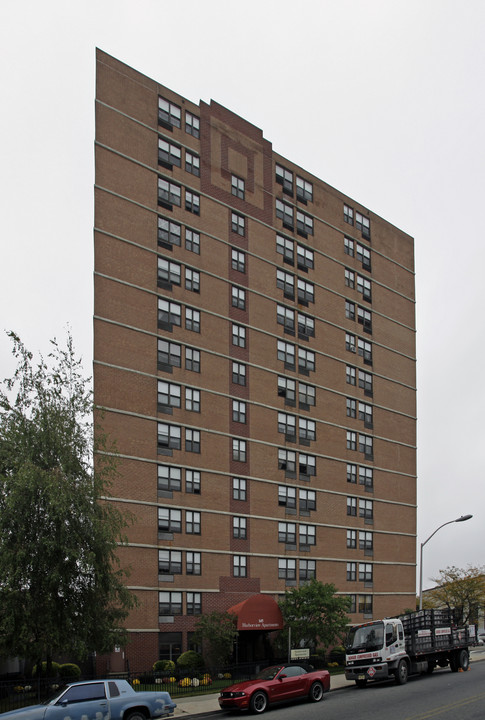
61	585
217	633
315	614
460	588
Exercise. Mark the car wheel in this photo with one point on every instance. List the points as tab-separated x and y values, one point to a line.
135	715
402	673
259	701
316	692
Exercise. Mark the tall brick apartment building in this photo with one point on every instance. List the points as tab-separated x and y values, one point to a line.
255	353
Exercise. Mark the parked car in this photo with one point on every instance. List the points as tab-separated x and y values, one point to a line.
98	700
275	684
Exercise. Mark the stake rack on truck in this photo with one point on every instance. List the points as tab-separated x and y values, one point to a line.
408	644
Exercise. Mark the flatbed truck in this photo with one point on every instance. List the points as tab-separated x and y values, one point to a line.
408	644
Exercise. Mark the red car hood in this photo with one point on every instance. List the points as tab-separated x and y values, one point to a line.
243	685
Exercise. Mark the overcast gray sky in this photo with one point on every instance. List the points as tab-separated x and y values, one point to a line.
383	99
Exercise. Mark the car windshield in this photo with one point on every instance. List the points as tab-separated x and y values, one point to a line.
269	673
56	692
366	637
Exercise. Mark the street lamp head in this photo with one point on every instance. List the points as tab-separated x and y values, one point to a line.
463	518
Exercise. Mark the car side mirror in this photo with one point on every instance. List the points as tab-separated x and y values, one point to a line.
280	677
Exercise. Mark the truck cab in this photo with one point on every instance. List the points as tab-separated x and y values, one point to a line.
375	651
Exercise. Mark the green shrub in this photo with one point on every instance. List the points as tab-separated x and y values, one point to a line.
43	672
190	660
337	655
164	666
70	671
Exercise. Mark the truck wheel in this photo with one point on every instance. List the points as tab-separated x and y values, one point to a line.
463	660
402	673
361	683
431	667
258	702
316	692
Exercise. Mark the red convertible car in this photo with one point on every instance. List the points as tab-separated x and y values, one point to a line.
278	683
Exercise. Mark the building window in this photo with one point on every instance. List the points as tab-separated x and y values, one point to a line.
192	319
287	497
365	382
238	335
366	541
348	246
307	465
238	260
366	509
192	399
285	213
365	604
362	223
365	413
169	395
169	355
169	154
287	569
306	291
169	437
351	571
364	287
239	566
366	445
194	603
363	256
350	342
284	177
238	297
192	202
192	280
192	522
169	478
306	396
192	124
307	570
353	603
192	241
170	603
239	528
169	562
238	373
307	535
304	223
349	310
238	224
351	473
306	430
192	359
307	500
192	482
364	317
352	539
286	317
352	506
350	373
351	407
306	326
365	572
287	426
348	215
238	411
239	489
192	440
168	232
169	273
351	440
239	450
304	190
364	349
237	186
349	278
169	114
286	282
286	353
304	258
366	477
284	246
169	193
287	461
306	361
287	533
169	520
192	163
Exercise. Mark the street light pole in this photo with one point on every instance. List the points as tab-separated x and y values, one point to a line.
460	519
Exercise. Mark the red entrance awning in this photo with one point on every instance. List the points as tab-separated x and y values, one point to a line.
259	612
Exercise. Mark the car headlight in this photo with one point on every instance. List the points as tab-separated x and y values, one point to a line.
236	694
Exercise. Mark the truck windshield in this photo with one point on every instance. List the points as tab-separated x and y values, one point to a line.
365	638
